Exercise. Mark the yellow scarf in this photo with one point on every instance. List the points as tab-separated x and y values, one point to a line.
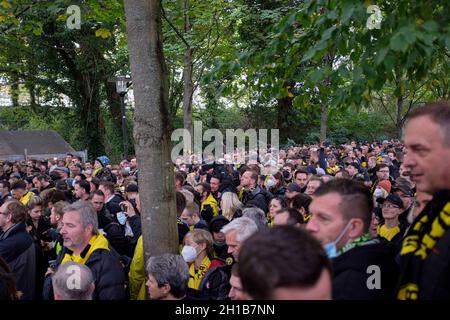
97	242
195	277
386	233
27	197
96	171
212	202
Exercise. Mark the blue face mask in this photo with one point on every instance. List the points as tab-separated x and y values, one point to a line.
121	217
330	248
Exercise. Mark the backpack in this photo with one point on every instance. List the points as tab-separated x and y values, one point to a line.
215	284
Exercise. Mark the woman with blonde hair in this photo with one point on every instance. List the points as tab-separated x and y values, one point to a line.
206	277
231	206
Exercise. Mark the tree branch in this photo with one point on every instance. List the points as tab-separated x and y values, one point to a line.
173	27
386	109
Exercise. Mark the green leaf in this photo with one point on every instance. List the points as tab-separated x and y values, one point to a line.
431	26
316	75
398	43
381	55
103	33
309	54
327	33
5	5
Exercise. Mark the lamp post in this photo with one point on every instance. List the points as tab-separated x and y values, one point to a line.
122	83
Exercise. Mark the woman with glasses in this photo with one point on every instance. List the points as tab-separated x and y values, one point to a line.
391	229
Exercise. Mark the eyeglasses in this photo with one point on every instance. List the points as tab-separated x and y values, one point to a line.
391	206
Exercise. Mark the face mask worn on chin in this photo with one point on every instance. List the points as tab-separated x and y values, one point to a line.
189	253
219	244
330	248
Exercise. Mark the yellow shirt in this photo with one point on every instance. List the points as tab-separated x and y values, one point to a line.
213	203
137	273
386	233
195	277
97	242
27	197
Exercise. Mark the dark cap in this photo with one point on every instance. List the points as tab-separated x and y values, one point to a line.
132	187
392	198
293	187
217	223
403	188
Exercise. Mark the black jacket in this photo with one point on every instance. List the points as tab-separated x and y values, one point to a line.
257	198
113	206
18	250
108	273
351	272
435	276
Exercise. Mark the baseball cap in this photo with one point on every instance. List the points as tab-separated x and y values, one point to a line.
404	188
392	198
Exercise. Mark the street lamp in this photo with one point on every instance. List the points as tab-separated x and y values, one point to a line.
122	84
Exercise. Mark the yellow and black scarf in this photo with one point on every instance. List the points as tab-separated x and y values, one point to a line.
426	230
196	276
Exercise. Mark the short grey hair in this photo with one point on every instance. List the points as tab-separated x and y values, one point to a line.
88	215
244	227
170	269
81	290
257	215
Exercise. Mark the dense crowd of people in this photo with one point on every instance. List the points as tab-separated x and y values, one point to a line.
364	220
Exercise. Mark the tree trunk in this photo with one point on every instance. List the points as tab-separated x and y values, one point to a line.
188	86
32	92
399	123
116	114
14	89
90	114
284	106
323	121
152	127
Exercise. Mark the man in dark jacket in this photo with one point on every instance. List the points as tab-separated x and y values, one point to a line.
252	194
112	200
341	215
17	247
425	254
84	244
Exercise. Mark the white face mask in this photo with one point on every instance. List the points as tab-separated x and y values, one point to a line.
121	217
271	183
189	253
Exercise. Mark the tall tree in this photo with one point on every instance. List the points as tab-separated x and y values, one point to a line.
152	126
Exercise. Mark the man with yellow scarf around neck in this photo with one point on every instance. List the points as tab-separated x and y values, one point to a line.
84	244
207	279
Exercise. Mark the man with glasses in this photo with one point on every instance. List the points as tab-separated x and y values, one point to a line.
382	173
